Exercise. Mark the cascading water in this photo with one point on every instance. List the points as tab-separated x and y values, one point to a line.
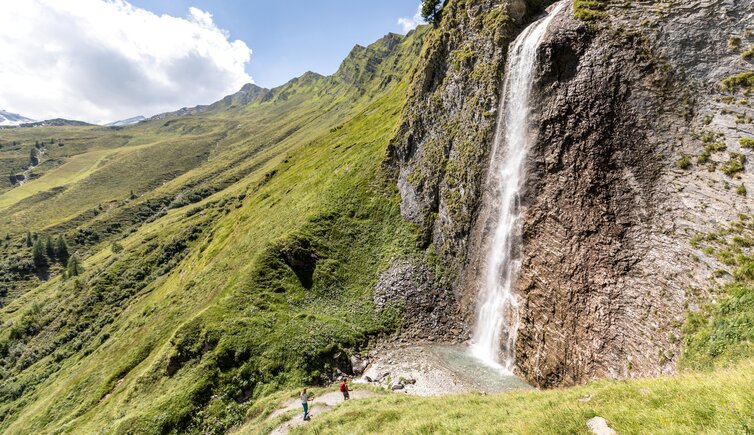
497	313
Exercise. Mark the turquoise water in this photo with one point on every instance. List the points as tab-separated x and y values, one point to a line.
473	372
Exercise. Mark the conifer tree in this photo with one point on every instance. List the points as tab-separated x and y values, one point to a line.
49	248
73	268
38	254
61	249
33	157
430	10
29	241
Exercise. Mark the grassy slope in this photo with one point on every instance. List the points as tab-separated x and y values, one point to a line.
202	311
719	402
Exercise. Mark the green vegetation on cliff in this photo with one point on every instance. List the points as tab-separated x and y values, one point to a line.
721	332
589	10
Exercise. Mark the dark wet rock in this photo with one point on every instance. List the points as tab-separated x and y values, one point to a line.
358	364
429	311
341	363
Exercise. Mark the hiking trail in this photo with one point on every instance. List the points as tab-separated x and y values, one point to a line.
320	405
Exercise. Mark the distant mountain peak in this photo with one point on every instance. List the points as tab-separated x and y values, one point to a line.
362	62
8	119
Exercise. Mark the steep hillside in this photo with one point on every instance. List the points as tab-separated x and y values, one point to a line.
224	254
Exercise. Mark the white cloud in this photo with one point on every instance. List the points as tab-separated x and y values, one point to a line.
98	60
409	24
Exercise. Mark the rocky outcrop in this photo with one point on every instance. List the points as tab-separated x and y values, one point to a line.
429	312
439	155
631	161
607	264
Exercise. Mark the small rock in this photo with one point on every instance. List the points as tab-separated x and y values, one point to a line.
598	426
409	381
368	379
645	390
398	386
586	398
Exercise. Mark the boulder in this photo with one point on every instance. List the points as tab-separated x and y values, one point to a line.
358	365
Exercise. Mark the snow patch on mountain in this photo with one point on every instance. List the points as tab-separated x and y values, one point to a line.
128	121
8	119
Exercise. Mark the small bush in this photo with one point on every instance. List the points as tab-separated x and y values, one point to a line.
589	10
741	190
743	81
734	165
683	162
703	157
746	142
734	43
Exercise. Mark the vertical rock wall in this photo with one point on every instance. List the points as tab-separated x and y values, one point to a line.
607	264
607	268
439	155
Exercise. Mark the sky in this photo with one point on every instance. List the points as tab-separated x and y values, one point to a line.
104	60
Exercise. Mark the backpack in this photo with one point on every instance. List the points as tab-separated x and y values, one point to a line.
342	386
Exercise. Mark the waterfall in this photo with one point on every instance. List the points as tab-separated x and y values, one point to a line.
497	309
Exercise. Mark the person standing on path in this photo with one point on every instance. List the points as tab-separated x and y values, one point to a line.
344	388
305	399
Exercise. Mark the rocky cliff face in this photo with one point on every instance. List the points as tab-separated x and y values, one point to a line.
607	267
438	157
637	153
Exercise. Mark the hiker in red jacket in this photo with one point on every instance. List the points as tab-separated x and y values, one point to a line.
344	389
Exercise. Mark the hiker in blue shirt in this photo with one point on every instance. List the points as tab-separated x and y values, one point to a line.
305	399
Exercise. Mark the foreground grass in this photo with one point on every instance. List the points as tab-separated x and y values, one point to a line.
700	402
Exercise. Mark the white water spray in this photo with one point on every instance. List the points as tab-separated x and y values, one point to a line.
497	313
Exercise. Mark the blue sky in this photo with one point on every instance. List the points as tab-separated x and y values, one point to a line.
290	37
104	60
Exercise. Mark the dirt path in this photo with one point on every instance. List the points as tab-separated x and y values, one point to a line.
321	404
